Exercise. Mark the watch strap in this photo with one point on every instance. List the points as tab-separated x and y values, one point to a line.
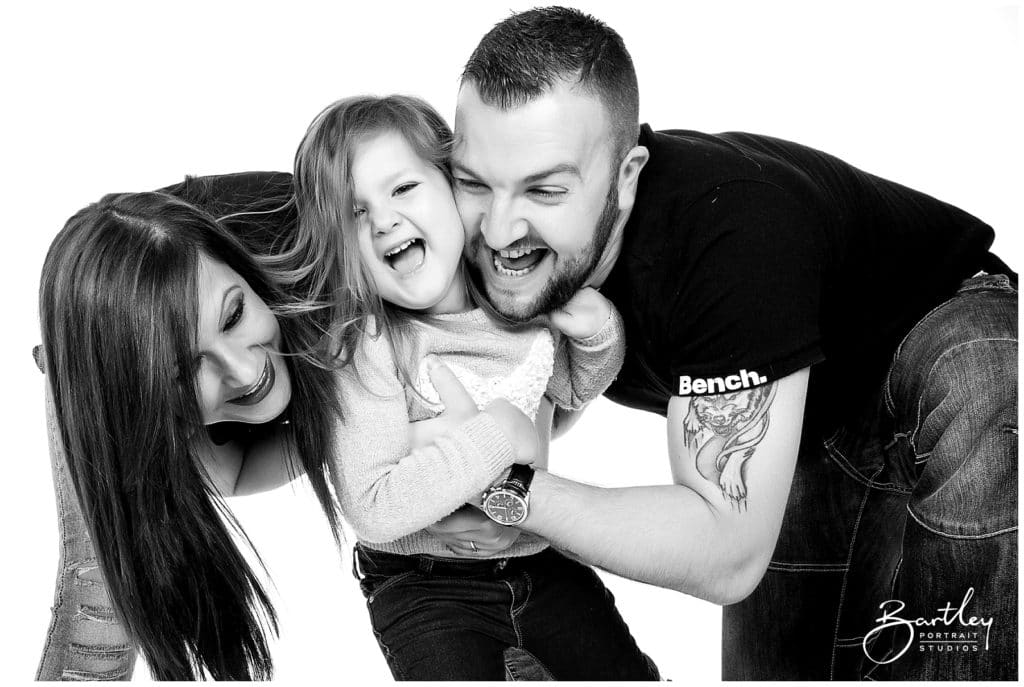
520	478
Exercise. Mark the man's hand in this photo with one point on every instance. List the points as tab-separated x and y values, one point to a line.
583	316
459	407
467	528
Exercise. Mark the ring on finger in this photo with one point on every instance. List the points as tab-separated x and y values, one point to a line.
472	545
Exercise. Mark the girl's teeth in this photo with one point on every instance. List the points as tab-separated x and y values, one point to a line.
398	249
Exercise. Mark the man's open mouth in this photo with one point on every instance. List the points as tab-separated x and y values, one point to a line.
406	257
260	388
517	262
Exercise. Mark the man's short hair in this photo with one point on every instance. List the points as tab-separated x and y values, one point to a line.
526	55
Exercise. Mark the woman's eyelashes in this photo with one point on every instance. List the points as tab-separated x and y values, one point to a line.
237	310
234	317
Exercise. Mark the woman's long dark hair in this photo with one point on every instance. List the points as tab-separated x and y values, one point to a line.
118	304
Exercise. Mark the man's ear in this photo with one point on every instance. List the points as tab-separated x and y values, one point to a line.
629	175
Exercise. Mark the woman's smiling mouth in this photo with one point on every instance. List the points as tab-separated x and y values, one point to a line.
259	390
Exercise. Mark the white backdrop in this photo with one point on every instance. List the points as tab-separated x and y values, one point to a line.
104	97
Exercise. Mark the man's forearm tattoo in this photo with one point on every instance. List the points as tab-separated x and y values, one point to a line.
722	432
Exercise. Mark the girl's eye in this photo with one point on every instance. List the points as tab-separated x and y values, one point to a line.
405	188
236	315
358	212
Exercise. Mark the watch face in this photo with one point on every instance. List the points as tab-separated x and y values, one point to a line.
506	508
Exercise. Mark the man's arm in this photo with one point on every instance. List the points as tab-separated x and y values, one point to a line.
713	532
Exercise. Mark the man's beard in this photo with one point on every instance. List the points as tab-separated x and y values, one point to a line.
565	281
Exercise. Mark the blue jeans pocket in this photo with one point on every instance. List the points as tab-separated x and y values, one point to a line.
866	457
953	391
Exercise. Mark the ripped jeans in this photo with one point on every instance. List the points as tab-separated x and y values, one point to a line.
85	641
898	552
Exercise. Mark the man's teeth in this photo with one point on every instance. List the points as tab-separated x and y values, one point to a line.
517	253
501	269
398	249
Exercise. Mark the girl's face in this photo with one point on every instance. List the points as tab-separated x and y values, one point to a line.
410	233
240	373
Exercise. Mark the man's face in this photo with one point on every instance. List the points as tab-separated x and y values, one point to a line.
535	186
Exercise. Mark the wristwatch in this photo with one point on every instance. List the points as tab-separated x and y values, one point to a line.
508	503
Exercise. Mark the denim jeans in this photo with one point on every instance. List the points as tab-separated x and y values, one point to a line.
902	517
454	619
85	640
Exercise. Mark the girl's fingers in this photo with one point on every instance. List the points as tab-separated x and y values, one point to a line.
456	399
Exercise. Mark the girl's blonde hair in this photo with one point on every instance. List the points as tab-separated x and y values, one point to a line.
325	247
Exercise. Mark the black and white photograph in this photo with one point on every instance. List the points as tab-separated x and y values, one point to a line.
501	341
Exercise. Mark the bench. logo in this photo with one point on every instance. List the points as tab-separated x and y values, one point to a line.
701	386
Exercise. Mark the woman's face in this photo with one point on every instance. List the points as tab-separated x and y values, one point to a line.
240	373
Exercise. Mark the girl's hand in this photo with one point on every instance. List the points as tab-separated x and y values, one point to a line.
584	314
467	528
459	407
517	428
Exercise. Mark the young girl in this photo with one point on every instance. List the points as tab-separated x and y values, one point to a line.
374	201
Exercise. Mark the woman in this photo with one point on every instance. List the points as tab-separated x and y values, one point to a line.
173	366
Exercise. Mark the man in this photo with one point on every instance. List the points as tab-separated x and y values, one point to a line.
839	386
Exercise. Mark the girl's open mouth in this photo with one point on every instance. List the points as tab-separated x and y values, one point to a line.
406	257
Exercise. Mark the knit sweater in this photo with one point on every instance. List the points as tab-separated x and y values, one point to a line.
389	491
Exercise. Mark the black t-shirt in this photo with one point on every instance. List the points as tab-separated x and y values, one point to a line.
747	258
